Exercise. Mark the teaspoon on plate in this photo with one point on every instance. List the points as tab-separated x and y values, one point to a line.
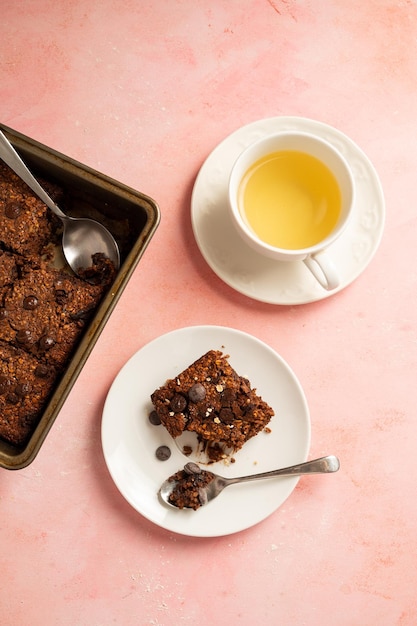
194	487
82	237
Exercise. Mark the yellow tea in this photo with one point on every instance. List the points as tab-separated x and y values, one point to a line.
290	199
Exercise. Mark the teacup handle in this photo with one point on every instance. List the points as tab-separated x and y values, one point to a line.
323	270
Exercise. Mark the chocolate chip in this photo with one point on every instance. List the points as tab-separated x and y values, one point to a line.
60	296
197	392
4	314
192	468
83	314
30	303
24	336
59	285
27	419
154	418
5	384
46	342
163	453
12	210
12	398
23	389
178	403
42	371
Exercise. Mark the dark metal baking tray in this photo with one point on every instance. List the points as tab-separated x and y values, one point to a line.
131	216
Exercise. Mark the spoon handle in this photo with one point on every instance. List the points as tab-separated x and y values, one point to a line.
9	155
322	465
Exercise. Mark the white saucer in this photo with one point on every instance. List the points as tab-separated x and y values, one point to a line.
129	439
259	277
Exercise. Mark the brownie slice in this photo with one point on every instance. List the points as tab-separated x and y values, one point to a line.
25	385
44	311
212	400
27	226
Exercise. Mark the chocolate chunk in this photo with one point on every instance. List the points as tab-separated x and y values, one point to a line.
228	396
3	313
178	403
163	453
154	418
197	393
226	415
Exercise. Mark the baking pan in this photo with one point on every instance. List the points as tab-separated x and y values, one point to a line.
131	217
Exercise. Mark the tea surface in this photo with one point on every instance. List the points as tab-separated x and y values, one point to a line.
290	199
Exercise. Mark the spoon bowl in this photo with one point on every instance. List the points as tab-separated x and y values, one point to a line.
82	237
194	487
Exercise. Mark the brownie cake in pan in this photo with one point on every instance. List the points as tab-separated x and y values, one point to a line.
49	318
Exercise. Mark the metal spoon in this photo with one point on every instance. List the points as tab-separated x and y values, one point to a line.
210	491
82	237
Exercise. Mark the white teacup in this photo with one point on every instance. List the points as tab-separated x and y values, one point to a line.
291	196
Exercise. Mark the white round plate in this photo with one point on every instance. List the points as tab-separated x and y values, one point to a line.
129	439
257	276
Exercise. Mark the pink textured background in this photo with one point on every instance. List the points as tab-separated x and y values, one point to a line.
143	91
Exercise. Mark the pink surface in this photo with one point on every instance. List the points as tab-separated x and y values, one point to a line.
143	92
